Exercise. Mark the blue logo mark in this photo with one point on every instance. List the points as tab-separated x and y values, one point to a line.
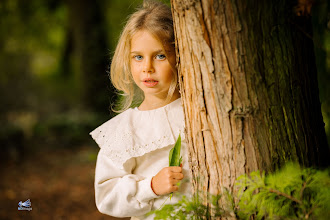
25	205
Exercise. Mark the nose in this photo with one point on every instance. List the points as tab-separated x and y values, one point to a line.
148	66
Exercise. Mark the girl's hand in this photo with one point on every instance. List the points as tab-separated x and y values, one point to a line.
165	181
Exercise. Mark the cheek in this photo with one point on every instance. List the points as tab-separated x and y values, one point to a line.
169	71
169	75
135	69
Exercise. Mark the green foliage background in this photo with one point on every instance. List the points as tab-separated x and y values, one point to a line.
40	97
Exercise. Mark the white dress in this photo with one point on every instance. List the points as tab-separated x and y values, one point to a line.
135	146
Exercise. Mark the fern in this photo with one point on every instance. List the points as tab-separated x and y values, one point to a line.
291	193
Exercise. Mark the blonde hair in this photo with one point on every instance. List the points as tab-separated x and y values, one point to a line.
156	18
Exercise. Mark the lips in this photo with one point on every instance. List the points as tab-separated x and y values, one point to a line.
149	82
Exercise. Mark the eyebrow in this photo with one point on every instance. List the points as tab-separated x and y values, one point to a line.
139	52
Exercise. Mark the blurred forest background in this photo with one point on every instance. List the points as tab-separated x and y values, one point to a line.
54	86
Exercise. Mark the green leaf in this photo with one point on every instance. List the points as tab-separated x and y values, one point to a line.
174	157
170	155
180	161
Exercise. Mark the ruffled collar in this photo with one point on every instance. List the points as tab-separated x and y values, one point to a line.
134	133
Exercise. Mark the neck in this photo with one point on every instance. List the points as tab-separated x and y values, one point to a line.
154	102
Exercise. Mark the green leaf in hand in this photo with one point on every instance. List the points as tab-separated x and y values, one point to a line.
174	157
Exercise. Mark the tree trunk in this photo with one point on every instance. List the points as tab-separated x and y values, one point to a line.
249	87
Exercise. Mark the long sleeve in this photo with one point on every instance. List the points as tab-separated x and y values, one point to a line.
120	193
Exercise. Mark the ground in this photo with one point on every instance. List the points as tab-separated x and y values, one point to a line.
59	184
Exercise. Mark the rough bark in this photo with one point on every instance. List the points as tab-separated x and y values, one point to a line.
249	87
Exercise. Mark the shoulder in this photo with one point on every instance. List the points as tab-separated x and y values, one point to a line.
119	121
134	133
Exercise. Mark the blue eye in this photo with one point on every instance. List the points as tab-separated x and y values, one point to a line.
138	57
160	56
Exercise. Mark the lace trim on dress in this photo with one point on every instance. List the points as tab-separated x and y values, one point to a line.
134	133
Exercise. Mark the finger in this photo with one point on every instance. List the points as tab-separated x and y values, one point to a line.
176	169
174	182
177	176
175	188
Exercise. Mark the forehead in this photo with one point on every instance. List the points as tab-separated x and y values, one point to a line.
144	40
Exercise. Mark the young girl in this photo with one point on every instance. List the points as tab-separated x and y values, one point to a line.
132	175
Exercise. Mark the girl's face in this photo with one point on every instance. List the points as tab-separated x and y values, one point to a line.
151	68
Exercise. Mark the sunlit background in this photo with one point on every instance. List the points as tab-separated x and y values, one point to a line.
54	86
